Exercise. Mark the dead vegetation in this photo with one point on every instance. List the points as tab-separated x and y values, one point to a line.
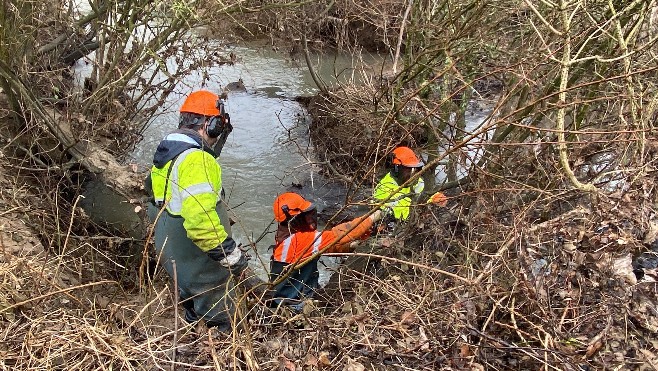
345	24
527	268
505	294
557	205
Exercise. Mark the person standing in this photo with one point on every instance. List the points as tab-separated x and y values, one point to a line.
298	241
192	229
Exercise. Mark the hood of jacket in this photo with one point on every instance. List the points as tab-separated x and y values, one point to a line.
176	143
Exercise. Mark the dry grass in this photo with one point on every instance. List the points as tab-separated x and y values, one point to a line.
520	272
348	24
547	277
517	283
351	135
544	283
440	296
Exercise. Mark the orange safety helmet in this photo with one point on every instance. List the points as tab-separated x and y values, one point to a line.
290	204
404	156
201	102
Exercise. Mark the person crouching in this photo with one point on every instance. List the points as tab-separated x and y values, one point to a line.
299	243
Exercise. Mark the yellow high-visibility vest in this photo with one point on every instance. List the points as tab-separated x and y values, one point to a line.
193	189
399	203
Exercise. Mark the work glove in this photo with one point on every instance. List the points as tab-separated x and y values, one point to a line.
236	262
229	256
376	216
438	199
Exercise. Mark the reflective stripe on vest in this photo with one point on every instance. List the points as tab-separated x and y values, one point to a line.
301	251
176	137
178	195
399	202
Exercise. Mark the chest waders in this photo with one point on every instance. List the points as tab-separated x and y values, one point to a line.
205	286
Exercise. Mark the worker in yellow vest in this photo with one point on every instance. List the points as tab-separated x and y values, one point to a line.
396	203
192	229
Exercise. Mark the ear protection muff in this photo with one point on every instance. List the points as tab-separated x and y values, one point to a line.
217	124
395	167
286	211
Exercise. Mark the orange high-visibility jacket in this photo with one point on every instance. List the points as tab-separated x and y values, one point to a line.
301	245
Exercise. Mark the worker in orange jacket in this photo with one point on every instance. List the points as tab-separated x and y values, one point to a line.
297	240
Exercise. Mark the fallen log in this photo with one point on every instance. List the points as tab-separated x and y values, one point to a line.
124	179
